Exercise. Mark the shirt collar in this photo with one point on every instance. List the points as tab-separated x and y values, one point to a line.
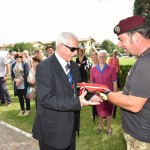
61	61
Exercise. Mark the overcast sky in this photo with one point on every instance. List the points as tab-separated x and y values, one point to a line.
44	20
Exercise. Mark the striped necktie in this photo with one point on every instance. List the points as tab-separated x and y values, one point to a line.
69	74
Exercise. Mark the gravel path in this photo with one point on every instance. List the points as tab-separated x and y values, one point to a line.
12	138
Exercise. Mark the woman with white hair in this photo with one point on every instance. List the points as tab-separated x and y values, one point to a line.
26	57
104	74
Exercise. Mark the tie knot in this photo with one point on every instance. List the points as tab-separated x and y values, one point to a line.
68	66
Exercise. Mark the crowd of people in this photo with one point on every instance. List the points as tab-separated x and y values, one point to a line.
58	102
22	69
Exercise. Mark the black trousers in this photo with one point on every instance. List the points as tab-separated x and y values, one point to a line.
22	96
72	145
4	94
119	84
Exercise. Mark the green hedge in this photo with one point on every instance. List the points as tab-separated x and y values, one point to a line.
124	69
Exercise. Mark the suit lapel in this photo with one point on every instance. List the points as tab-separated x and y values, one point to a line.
75	75
58	68
73	72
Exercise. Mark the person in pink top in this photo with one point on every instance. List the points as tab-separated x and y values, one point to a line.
103	73
114	62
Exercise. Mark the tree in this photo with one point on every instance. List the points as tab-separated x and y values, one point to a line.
142	7
108	45
20	47
10	48
54	44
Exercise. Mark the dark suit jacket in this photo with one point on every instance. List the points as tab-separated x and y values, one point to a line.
56	104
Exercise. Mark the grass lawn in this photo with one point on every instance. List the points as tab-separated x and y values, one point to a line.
122	60
89	139
126	61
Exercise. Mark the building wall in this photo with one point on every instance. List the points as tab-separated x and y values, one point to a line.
88	44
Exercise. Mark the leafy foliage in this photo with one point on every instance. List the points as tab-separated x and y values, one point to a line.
109	46
142	7
54	44
20	47
125	69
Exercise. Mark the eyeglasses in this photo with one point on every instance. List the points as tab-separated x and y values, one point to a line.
102	57
72	49
19	57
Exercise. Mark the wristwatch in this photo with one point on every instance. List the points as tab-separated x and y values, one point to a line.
107	92
104	95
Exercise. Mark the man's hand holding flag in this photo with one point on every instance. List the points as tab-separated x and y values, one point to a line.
98	89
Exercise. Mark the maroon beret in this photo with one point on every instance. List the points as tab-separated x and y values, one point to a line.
129	24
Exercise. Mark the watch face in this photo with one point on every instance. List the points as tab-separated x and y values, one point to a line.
103	96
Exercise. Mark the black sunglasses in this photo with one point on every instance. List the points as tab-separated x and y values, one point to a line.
19	57
72	49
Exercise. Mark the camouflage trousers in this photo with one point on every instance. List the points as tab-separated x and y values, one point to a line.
134	144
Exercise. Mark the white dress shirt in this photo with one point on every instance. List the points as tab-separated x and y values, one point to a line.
62	62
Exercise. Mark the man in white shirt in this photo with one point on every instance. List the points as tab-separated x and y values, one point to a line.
57	117
4	72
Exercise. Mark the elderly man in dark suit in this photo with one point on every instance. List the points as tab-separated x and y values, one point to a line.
58	103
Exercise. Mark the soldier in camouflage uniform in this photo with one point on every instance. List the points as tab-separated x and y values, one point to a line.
134	37
134	144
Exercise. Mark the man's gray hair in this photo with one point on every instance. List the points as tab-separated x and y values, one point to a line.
144	31
64	38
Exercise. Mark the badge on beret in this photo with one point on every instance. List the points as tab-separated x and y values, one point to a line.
117	29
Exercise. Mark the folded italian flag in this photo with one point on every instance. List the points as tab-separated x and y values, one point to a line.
99	89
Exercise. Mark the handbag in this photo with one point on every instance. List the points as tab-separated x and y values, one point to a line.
31	92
